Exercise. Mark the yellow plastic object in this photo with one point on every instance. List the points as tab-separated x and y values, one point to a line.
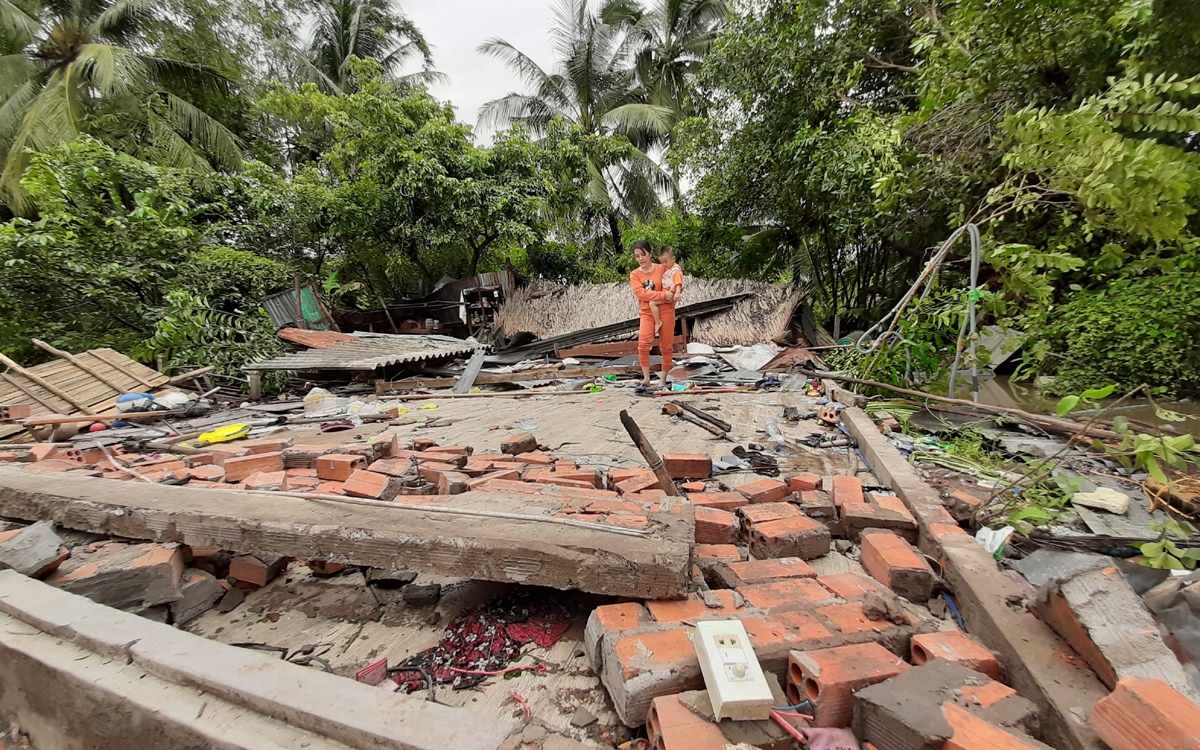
426	407
225	434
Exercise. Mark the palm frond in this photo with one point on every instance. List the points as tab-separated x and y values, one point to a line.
121	19
517	61
17	20
114	71
198	127
636	118
50	118
16	106
514	108
178	151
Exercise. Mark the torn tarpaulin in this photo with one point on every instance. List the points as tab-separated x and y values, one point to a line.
485	639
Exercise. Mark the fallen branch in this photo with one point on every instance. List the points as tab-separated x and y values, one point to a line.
1041	420
665	482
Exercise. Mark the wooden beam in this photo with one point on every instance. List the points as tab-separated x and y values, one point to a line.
189	376
43	383
494	378
75	361
39	421
120	368
665	482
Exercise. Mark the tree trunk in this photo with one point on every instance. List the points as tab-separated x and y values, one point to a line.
614	228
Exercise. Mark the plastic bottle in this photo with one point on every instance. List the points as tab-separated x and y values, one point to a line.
775	434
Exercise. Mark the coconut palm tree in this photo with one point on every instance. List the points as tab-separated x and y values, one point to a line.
591	85
75	66
668	42
368	30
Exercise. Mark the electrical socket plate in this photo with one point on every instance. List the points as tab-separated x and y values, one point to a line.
735	681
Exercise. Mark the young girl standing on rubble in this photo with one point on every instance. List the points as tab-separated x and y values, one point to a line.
646	281
672	281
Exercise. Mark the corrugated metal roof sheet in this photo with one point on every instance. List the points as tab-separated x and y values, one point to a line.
369	352
312	339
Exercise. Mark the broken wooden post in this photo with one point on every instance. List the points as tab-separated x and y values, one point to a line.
45	384
656	463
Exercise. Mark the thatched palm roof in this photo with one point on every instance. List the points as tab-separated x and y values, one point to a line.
550	310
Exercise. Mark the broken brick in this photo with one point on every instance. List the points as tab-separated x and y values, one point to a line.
846	489
722	500
672	726
520	443
751	572
897	564
828	678
126	576
796	536
956	647
637	484
237	469
373	485
715	526
250	569
687	466
974	733
337	467
763	512
764	491
265	480
1147	714
804	482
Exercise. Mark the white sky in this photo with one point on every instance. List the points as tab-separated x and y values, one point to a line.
456	27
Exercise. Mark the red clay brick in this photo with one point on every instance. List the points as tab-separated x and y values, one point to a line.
460	450
620	475
237	469
581	484
629	522
847	490
43	451
265	480
722	500
897	565
592	477
956	647
337	467
506	475
876	515
828	678
804	482
763	512
797	536
764	491
250	569
776	633
535	459
974	733
1143	714
672	726
272	445
207	473
519	443
618	617
850	585
849	618
962	505
788	594
692	608
330	488
637	484
370	484
300	484
816	505
766	571
688	466
645	652
715	526
423	444
715	553
476	467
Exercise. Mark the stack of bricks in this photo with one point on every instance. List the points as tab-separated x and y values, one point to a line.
642	651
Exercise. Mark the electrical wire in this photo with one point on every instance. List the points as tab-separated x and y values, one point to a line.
799	705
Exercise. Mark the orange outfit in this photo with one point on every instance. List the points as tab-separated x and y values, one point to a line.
647	287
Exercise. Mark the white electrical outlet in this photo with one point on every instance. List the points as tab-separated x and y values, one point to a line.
735	681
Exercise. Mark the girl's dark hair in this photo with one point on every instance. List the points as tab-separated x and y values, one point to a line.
666	249
644	245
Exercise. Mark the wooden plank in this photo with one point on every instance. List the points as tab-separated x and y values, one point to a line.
78	363
467	379
191	375
83	407
611	350
656	566
38	421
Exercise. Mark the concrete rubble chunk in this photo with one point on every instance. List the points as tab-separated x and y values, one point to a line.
1107	623
125	576
1103	498
905	712
33	551
198	592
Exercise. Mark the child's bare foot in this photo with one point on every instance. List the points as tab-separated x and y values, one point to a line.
657	327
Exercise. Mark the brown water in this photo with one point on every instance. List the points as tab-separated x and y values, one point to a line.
999	391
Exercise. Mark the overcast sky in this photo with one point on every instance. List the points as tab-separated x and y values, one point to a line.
456	27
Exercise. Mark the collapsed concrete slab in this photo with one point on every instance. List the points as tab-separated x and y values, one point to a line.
652	560
109	665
